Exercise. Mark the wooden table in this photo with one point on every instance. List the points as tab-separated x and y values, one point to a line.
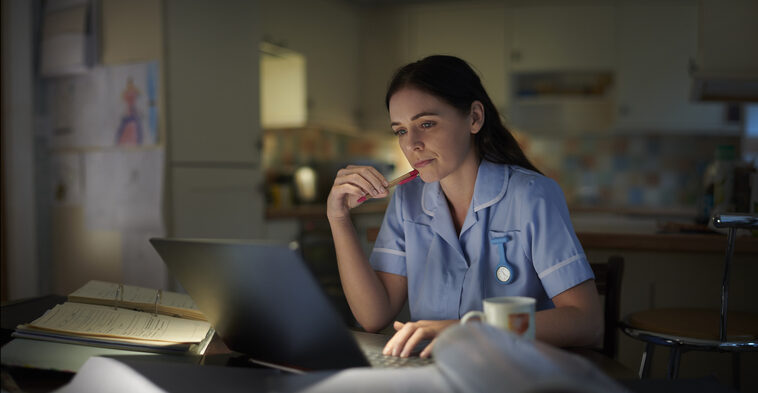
217	353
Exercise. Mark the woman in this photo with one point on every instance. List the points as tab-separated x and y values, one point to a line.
440	242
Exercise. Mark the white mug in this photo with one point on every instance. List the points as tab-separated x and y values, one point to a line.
512	313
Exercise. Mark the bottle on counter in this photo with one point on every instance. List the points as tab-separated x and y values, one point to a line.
723	179
718	183
743	172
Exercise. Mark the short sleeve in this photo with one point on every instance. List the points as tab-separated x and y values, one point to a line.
556	253
388	254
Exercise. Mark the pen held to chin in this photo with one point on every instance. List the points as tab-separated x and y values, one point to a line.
400	180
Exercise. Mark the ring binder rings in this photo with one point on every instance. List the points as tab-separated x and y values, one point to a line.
157	300
119	291
137	298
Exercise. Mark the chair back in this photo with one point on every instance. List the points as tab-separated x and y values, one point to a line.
608	281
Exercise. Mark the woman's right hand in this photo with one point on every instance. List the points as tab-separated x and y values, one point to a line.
352	183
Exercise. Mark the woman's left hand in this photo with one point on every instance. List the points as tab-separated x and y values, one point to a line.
410	334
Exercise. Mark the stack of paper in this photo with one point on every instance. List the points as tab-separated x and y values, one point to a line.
124	317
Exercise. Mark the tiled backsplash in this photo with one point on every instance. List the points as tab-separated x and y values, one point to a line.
638	171
325	151
627	170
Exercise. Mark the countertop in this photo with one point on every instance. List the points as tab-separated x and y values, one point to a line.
310	212
671	242
641	230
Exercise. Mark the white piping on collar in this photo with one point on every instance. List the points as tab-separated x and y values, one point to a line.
498	196
423	201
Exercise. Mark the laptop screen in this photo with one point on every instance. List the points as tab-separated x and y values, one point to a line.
262	300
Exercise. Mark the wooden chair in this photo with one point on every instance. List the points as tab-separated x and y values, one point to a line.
687	329
608	281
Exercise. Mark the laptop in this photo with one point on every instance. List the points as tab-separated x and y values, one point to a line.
264	302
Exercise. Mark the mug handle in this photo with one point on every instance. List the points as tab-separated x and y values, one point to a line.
472	314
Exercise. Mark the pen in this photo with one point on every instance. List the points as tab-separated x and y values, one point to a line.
400	180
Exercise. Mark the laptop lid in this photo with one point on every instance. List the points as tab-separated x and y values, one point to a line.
263	301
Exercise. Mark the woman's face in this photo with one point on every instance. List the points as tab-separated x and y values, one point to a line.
435	137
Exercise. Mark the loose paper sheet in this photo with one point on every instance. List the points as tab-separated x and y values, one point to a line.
114	105
67	179
124	190
106	321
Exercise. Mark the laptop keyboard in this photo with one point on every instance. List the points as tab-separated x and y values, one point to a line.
377	359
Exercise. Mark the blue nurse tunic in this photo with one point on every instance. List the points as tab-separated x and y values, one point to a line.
517	240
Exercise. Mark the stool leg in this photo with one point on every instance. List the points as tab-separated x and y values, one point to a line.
725	283
647	361
736	370
674	357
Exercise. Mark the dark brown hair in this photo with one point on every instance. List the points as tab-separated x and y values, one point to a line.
455	82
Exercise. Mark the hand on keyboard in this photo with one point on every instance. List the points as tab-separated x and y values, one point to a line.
409	335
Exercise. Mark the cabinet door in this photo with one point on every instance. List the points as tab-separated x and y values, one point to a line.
562	38
212	81
326	33
656	43
475	33
384	32
217	202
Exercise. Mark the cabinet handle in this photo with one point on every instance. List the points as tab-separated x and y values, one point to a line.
516	55
692	66
624	110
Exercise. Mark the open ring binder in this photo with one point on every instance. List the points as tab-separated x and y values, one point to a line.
154	301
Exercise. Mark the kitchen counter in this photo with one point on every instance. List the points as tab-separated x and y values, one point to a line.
595	229
670	242
613	231
641	232
317	211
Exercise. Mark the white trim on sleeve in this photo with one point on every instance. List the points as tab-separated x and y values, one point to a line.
559	265
390	251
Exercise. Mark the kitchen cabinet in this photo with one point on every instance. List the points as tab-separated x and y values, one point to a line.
561	62
283	91
479	33
213	176
566	38
727	62
217	202
120	42
656	43
326	34
728	37
383	30
562	102
646	48
212	89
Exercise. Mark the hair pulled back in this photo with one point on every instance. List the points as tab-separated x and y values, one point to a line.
452	80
